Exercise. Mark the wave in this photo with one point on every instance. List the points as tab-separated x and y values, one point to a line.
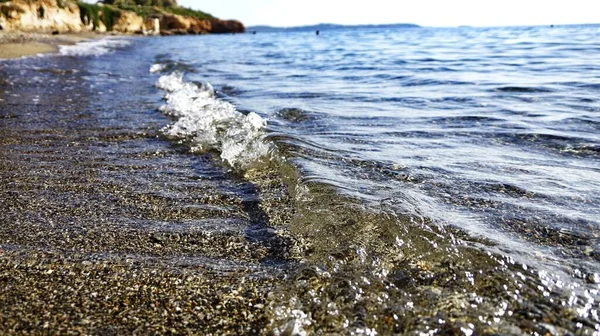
93	47
157	68
343	252
206	123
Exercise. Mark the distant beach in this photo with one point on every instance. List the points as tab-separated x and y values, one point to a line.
19	44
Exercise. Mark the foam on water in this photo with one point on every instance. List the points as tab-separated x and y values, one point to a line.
93	47
208	123
157	68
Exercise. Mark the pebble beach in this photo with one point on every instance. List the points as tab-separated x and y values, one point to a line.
365	181
93	243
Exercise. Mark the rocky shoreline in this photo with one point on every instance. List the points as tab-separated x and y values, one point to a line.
63	16
34	27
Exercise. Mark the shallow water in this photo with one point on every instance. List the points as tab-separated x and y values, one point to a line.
432	180
490	130
493	126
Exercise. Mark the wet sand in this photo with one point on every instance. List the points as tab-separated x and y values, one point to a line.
106	229
19	44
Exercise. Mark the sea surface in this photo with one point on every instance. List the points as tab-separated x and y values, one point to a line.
436	180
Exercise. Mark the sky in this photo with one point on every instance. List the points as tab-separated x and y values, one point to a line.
437	13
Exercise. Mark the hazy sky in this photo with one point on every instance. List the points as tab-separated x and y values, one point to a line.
422	12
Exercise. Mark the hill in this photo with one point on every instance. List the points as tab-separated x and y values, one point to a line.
119	16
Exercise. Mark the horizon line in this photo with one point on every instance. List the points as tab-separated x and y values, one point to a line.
422	26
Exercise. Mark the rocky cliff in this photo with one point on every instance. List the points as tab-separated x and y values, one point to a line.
226	26
177	24
66	16
40	16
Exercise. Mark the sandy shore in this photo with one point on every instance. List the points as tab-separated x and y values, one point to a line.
19	44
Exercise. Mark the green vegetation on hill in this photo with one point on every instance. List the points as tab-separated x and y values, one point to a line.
157	3
143	11
189	12
150	11
147	8
95	14
109	11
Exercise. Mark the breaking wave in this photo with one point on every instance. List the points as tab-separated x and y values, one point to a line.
206	123
157	68
93	47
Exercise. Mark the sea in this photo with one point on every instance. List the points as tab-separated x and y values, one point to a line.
433	180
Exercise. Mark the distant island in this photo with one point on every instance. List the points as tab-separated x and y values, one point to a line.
327	26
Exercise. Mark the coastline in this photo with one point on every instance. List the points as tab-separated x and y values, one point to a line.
109	255
20	44
111	227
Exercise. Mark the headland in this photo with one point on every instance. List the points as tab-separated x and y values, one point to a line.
31	27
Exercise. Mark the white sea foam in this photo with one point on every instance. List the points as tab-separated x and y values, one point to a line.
209	123
157	68
94	47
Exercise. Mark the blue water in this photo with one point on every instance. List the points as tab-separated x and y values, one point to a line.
491	130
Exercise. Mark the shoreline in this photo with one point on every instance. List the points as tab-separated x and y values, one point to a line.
22	44
106	254
109	226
